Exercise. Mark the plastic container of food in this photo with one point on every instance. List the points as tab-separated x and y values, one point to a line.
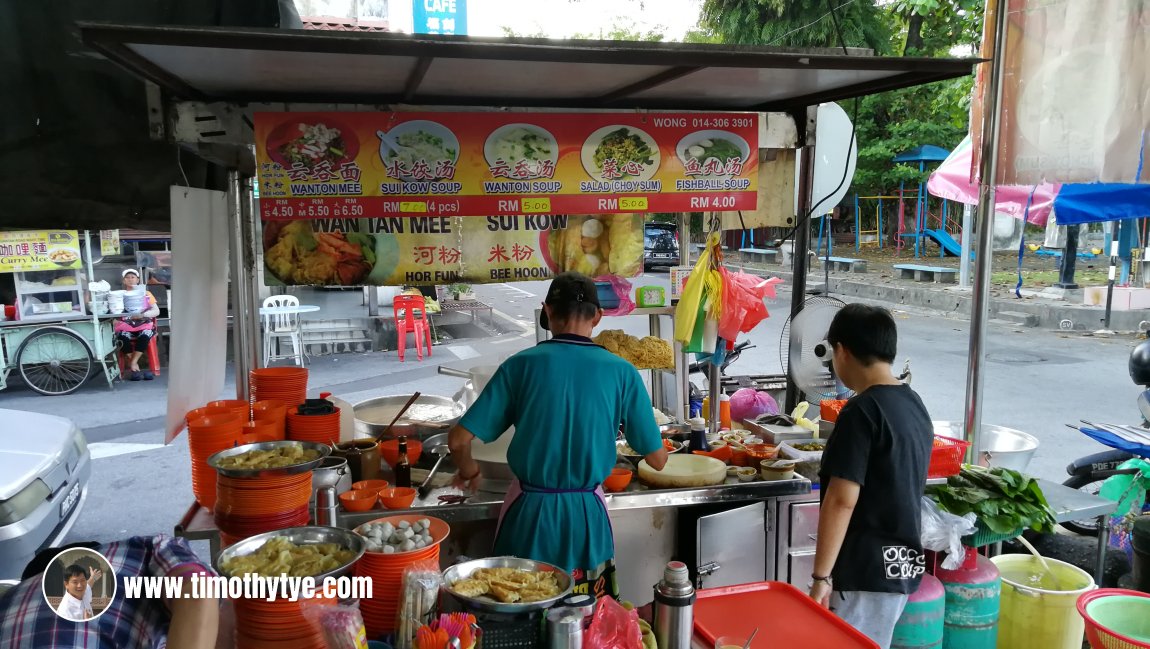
808	461
772	470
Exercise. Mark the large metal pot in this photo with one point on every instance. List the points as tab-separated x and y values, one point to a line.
1001	446
429	415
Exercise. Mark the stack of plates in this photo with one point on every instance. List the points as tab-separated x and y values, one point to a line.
386	572
271	411
242	409
209	432
287	384
323	429
274	625
262	431
250	506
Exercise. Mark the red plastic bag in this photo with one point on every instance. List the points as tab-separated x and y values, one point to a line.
743	305
613	627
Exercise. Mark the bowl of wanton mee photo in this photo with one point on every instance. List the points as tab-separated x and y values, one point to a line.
265	459
311	551
506	585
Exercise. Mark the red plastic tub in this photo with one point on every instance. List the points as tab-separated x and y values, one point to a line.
784	615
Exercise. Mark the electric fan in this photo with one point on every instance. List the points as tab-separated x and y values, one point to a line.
805	353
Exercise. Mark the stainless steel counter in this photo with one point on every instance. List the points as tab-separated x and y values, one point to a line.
485	506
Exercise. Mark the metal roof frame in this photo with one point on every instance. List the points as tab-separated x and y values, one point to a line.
419	69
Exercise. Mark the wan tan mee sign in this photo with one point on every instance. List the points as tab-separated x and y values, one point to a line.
377	165
390	251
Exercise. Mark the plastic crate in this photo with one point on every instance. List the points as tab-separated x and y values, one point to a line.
946	458
984	536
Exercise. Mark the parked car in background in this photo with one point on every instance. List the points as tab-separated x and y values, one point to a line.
660	245
44	470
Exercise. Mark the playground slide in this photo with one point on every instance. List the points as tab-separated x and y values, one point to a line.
947	242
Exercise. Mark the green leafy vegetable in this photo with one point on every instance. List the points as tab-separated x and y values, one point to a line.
1004	500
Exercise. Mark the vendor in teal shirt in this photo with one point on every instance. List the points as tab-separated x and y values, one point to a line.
566	398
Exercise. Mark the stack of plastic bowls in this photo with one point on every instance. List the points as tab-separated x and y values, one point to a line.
250	506
273	412
386	572
209	432
323	429
287	384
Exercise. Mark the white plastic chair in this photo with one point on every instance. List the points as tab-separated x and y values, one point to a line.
282	325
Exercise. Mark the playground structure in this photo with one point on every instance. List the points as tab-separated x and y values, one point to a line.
938	226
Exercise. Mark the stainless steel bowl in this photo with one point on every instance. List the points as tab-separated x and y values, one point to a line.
485	605
634	459
1001	446
310	535
429	415
214	461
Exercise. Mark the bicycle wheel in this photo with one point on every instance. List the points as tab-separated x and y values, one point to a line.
54	361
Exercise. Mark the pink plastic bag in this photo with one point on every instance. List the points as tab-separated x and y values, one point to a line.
613	627
746	404
743	306
623	289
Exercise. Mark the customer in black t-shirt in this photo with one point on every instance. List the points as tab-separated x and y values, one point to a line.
869	556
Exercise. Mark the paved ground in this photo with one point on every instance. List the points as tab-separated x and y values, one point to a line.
1036	381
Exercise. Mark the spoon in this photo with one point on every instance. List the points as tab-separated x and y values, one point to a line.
389	141
751	639
398	415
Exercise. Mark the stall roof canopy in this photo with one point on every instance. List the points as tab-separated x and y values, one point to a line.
274	65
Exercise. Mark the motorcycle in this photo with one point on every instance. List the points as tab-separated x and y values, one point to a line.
1088	473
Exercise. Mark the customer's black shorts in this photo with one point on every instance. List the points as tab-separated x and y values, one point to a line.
135	341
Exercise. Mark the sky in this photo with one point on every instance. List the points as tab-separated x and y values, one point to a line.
555	18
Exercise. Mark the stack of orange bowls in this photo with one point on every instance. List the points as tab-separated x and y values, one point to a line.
273	412
255	432
250	506
322	429
209	432
242	409
287	384
386	572
280	625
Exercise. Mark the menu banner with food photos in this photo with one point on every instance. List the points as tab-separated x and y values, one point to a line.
396	251
361	164
31	250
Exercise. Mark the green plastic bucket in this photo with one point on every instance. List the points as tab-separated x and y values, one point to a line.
1037	611
1124	614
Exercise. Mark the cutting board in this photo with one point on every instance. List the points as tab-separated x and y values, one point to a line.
684	471
784	616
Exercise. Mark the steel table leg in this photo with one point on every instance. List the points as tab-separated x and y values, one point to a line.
1103	542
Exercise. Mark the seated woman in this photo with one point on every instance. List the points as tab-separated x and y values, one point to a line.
136	330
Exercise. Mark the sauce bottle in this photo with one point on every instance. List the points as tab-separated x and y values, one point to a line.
402	465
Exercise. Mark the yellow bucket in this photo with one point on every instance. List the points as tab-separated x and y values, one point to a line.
1036	610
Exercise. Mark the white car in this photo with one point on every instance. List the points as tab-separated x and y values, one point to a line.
44	471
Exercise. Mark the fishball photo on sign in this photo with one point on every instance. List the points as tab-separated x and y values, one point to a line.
598	244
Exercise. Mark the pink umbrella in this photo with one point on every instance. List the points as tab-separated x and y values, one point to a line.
952	181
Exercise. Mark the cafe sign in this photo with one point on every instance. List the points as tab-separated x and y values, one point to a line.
373	165
32	250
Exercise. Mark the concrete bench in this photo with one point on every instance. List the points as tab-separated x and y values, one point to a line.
759	254
846	264
921	273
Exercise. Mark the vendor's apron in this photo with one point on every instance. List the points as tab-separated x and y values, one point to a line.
598	581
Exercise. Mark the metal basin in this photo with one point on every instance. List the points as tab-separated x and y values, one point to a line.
429	415
1001	446
310	535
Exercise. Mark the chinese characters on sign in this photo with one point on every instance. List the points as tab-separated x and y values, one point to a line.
439	16
437	250
376	165
32	250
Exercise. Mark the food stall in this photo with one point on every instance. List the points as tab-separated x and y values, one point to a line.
53	334
223	79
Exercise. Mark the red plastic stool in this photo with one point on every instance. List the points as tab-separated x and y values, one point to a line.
405	308
153	358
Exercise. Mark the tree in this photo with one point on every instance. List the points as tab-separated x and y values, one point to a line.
624	29
798	23
511	33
